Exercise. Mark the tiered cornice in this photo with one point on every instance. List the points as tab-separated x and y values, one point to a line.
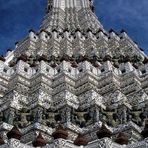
75	73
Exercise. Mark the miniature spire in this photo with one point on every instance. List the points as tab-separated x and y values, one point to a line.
122	139
14	133
81	140
60	132
39	141
104	132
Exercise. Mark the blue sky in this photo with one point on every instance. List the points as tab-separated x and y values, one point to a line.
19	16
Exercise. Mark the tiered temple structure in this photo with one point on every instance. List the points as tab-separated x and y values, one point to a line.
72	84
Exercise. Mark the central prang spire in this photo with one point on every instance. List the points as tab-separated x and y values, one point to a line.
63	4
71	15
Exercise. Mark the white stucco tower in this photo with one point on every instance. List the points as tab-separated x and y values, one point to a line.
70	14
72	84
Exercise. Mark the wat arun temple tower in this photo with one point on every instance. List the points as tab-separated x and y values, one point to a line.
72	84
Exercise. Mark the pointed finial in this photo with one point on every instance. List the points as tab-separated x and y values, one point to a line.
122	139
104	132
111	30
81	140
14	133
123	31
39	141
60	132
2	58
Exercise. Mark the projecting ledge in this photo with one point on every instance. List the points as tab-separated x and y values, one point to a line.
61	143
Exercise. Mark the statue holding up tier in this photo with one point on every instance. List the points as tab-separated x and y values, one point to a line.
136	116
51	118
110	117
24	118
79	117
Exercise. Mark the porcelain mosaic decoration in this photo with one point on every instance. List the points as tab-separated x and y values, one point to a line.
72	84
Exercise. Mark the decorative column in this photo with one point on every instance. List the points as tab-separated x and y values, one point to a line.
38	114
124	118
10	116
66	114
94	113
122	113
97	114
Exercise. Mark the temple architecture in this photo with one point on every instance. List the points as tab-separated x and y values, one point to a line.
72	84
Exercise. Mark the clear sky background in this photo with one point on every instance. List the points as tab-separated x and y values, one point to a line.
19	16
